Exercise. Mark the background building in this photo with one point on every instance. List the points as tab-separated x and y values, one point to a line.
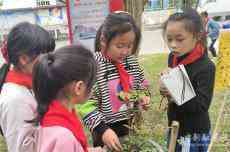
50	14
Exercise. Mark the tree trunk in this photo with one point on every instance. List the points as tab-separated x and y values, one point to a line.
136	8
187	3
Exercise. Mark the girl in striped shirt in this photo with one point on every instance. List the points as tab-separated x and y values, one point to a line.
116	44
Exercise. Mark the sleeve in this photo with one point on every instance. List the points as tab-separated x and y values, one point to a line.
94	118
14	117
204	92
213	29
144	83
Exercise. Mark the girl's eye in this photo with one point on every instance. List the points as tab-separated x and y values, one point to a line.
120	46
180	40
169	40
130	46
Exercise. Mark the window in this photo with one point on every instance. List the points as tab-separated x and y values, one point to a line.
154	5
171	3
227	17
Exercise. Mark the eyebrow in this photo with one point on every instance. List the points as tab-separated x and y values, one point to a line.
180	36
177	36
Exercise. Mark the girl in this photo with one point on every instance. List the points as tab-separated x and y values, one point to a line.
116	43
17	104
61	80
185	38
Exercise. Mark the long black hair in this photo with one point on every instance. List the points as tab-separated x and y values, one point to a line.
28	39
115	24
53	71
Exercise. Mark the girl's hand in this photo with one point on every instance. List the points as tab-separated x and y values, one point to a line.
111	140
96	149
163	90
145	102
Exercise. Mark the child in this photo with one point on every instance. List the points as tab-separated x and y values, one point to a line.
61	80
213	30
17	104
116	43
185	38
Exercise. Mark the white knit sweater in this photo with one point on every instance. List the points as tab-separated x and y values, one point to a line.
17	104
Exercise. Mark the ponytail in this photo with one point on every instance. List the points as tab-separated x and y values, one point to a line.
45	85
3	72
53	71
98	39
6	66
4	69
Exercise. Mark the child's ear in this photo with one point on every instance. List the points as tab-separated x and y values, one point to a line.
23	60
78	87
199	36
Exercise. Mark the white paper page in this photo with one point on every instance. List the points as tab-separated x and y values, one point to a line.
173	81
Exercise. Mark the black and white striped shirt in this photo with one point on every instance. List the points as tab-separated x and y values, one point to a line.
107	72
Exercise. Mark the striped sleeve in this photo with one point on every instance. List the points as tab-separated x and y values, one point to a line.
94	117
143	83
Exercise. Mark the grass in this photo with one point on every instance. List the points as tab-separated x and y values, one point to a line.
155	120
2	145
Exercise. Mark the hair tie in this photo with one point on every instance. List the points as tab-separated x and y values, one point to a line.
5	51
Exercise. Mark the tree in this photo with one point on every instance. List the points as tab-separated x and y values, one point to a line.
135	8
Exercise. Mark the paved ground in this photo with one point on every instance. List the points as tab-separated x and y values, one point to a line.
152	42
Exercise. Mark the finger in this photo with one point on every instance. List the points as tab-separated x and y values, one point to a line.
105	148
110	146
148	100
146	107
117	146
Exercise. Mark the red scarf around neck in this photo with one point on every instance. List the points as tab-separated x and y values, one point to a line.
124	76
59	115
194	55
19	78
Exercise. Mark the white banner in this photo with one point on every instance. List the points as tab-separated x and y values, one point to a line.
16	4
85	17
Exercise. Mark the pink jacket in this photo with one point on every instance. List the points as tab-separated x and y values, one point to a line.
48	139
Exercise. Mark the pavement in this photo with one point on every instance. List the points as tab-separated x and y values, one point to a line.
152	41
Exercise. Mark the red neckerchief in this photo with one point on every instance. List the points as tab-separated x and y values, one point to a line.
124	75
19	78
57	114
194	55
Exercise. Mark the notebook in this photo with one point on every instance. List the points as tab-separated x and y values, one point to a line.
178	84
